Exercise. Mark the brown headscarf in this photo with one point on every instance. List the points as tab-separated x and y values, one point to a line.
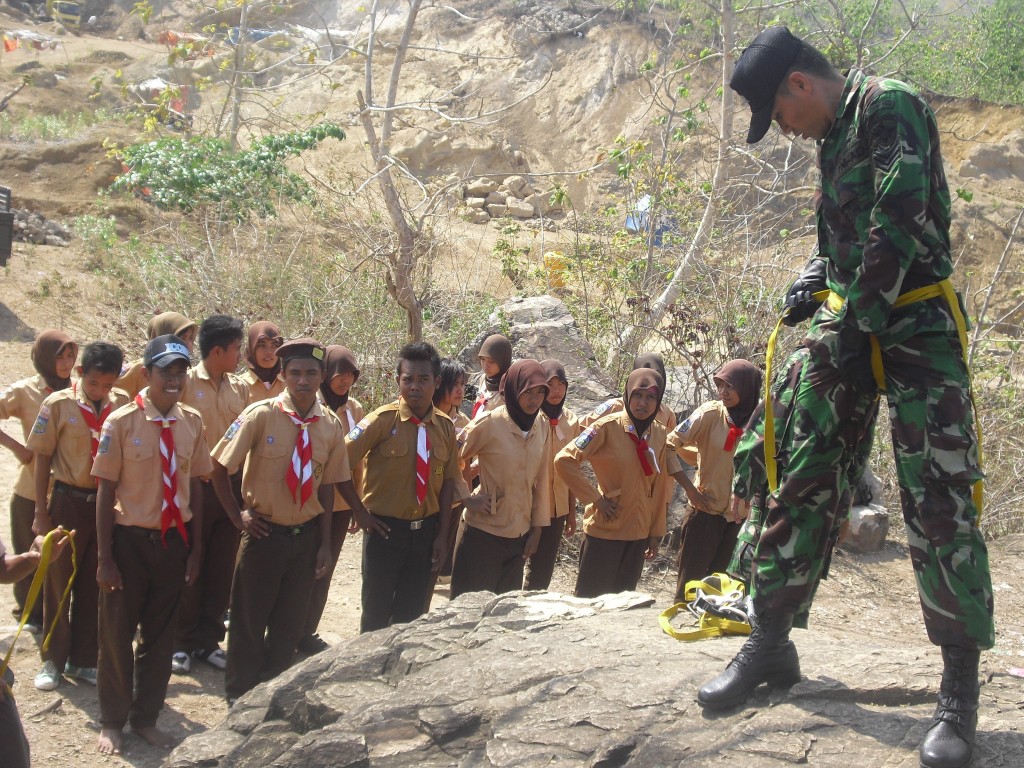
746	378
45	349
643	378
256	331
499	349
521	376
553	369
168	323
653	361
338	360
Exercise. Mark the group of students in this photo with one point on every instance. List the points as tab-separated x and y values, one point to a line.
263	474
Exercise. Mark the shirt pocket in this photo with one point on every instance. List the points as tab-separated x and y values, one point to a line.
393	448
137	454
271	461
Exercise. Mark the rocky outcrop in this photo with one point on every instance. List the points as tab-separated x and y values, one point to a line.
486	198
542	327
535	679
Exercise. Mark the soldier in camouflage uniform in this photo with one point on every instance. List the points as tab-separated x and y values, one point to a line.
883	227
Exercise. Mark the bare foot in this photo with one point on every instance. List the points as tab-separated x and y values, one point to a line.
155	737
110	741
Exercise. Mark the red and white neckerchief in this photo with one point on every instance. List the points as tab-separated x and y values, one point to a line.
170	511
300	472
733	436
480	404
92	420
642	451
422	459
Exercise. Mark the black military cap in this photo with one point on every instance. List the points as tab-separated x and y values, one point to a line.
759	73
164	350
302	348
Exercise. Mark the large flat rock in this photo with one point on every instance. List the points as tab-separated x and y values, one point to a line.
531	679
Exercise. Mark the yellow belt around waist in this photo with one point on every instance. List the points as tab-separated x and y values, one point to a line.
835	304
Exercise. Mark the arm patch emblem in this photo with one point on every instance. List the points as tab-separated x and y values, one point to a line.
584	440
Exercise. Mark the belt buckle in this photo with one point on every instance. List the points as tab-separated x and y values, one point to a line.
295	530
415	525
90	498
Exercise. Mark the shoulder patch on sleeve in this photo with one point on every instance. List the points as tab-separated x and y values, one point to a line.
42	420
584	440
684	427
604	407
887	146
105	438
233	428
358	430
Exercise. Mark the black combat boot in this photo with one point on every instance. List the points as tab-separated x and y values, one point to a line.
949	743
768	656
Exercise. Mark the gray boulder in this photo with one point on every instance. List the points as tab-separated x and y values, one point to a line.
536	679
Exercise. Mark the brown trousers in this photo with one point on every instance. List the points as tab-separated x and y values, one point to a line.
608	566
269	597
541	567
152	576
201	617
74	630
321	586
23	512
487	563
705	547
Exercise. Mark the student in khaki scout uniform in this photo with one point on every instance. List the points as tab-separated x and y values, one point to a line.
14	568
150	457
625	515
495	357
132	378
448	399
293	451
65	440
264	367
411	465
614	405
565	427
213	389
505	514
340	373
707	440
53	356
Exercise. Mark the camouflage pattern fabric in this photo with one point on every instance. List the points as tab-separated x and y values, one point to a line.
883	224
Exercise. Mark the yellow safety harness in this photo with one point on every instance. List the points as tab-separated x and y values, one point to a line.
835	304
46	555
718	602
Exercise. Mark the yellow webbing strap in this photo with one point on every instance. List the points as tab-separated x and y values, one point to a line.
34	591
719	584
835	303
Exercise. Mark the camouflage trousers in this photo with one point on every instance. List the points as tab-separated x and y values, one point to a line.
821	426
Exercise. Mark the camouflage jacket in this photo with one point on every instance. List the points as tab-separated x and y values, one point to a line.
884	211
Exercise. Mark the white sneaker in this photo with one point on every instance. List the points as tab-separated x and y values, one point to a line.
215	658
181	663
49	678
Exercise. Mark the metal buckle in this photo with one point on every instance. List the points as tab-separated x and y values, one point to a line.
296	530
415	525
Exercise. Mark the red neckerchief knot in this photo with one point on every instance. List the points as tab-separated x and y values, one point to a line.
300	472
733	436
170	511
422	459
93	421
642	449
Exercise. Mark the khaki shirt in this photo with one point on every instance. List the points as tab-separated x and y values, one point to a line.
567	430
218	404
350	414
387	438
462	489
515	471
614	405
21	401
259	391
700	442
263	437
643	500
488	401
132	380
129	455
62	432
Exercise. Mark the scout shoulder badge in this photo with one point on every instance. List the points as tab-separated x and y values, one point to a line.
584	439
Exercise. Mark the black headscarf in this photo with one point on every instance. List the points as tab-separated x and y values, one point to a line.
643	378
338	360
553	369
746	378
499	349
521	376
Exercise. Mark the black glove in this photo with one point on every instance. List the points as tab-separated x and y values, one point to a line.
853	358
799	303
